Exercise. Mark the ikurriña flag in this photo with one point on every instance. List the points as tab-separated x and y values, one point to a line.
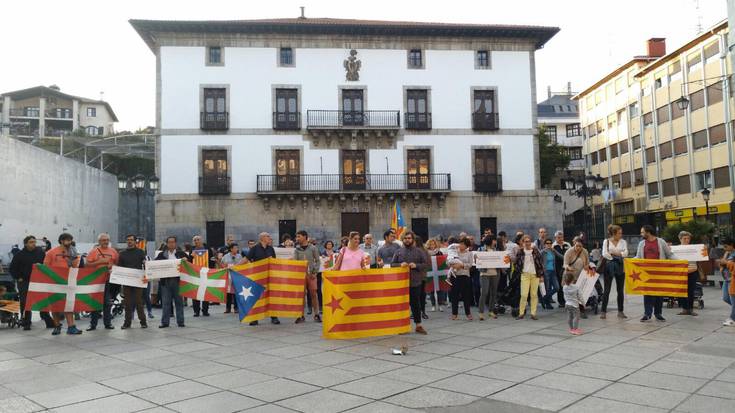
365	303
202	283
62	289
664	278
283	281
436	278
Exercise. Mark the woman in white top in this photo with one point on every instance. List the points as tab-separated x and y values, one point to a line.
614	250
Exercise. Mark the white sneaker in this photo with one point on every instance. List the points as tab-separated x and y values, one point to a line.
729	323
433	308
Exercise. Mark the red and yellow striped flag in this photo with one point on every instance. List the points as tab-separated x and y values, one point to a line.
284	282
200	258
664	278
365	303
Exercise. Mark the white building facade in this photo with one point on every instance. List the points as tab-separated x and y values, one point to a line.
320	124
559	114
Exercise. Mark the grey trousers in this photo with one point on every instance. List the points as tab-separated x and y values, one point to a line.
489	290
573	312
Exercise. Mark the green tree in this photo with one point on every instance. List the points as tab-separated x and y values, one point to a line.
552	157
700	230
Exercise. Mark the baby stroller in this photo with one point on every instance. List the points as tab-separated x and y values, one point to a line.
9	307
509	293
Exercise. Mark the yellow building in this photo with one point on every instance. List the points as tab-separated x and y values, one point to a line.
659	132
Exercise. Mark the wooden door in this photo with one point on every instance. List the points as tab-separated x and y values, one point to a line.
352	107
215	234
355	221
353	169
418	168
288	169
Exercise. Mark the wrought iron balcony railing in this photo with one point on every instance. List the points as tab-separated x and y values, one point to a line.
338	119
25	112
327	183
417	121
487	183
214	185
286	120
215	120
485	121
59	114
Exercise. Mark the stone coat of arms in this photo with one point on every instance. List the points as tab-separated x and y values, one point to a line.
352	65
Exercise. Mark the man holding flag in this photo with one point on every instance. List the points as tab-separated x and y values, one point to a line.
260	251
104	256
306	251
202	257
416	260
654	248
63	256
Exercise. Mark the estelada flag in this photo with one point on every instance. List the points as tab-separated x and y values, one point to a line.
203	284
663	278
365	303
436	278
284	282
200	257
62	289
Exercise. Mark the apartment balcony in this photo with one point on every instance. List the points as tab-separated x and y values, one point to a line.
339	187
487	183
370	129
214	121
214	185
25	113
64	114
417	121
286	120
482	121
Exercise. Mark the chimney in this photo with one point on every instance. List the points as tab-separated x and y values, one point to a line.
303	15
55	87
548	92
656	47
569	88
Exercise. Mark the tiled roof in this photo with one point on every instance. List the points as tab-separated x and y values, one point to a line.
42	91
146	28
558	106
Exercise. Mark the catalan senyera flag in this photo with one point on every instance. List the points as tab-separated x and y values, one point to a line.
396	221
62	289
203	284
140	244
436	278
284	282
664	278
200	257
365	303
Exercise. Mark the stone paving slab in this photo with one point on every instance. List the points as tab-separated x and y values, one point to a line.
216	364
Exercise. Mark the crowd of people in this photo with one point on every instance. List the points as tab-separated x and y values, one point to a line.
544	268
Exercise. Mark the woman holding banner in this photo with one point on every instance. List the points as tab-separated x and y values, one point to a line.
687	304
351	257
614	250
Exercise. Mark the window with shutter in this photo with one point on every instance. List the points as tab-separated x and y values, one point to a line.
717	134
683	184
662	114
623	146
699	139
636	142
714	93
676	112
647	119
650	155
613	151
638	173
668	187
722	177
594	158
625	180
697	100
602	155
665	150
680	145
652	189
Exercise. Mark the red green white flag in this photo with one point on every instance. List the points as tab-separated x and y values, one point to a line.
436	278
61	289
203	284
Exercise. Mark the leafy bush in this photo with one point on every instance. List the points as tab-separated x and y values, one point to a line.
700	230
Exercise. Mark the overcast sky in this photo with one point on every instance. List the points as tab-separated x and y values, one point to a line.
87	47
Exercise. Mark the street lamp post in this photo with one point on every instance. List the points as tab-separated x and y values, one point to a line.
584	188
705	196
138	184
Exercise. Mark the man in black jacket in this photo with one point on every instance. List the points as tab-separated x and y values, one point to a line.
133	257
170	286
260	251
20	268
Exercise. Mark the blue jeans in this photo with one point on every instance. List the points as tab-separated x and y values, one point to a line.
170	295
552	285
652	305
147	298
729	299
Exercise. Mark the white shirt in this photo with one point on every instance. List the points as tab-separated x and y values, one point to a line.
528	261
608	248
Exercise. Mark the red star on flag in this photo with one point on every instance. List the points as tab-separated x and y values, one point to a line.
335	304
635	276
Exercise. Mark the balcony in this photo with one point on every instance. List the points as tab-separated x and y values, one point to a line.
214	120
25	112
59	114
486	183
286	120
214	185
340	129
358	183
417	121
485	121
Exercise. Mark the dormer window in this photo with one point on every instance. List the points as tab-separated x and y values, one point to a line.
415	59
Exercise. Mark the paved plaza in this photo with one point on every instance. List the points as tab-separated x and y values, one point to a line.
216	365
